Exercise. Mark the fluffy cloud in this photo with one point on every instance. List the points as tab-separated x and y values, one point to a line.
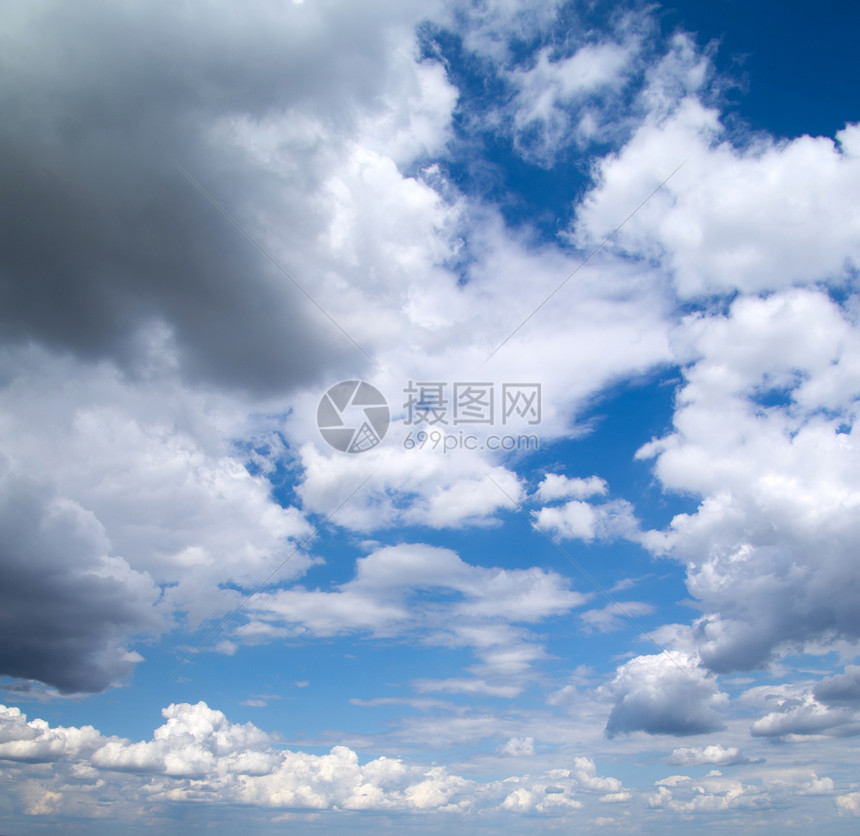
127	505
764	432
577	520
70	607
664	694
849	804
143	346
716	793
407	487
35	741
842	689
723	221
558	486
556	790
132	242
803	716
199	757
715	754
141	375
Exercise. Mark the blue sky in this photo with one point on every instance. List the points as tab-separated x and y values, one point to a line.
638	617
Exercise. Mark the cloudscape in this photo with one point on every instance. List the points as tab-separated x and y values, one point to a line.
429	417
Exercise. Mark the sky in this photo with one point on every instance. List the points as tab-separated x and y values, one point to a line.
429	417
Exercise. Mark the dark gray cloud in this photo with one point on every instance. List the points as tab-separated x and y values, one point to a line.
66	606
101	235
842	689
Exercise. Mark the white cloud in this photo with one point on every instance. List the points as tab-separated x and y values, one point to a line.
761	217
715	754
139	485
35	741
556	101
764	432
664	694
406	487
578	520
716	793
849	803
209	759
556	790
518	747
804	716
558	486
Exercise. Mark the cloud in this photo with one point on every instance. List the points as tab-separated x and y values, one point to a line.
416	591
175	368
128	506
146	349
578	520
665	694
517	747
715	754
558	486
849	803
764	433
555	790
70	607
210	760
35	741
132	243
723	223
716	793
842	689
558	98
804	716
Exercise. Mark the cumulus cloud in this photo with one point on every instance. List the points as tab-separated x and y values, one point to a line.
143	344
70	606
35	741
716	793
578	520
128	507
133	243
849	804
842	689
764	432
804	716
208	759
665	694
558	486
555	791
160	375
152	347
715	754
723	222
